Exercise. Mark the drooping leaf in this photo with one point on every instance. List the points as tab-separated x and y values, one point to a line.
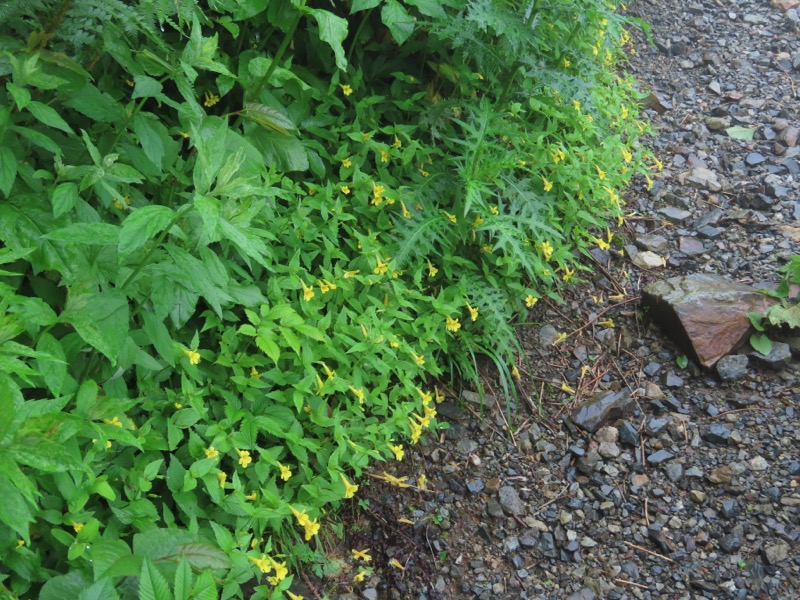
332	31
761	343
396	18
8	170
100	318
48	115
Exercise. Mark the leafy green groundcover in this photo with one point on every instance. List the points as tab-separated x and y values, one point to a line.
238	241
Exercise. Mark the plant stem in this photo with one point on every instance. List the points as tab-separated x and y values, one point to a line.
281	49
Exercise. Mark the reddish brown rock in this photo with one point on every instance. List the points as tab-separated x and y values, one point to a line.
785	5
705	314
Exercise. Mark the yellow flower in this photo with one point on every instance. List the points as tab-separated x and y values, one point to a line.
301	516
556	156
473	312
359	577
251	497
406	212
624	112
515	373
293	596
326	286
478	221
115	422
396	564
601	243
548	185
244	458
366	136
222	476
439	395
600	173
346	89
350	274
108	444
568	273
432	271
77	526
381	267
398	451
418	359
561	337
423	172
566	62
416	430
311	529
286	472
547	250
263	563
345	189
211	452
566	388
576	105
422	480
392	480
451	218
20	544
649	182
361	555
606	323
397	143
254	373
280	571
330	373
426	397
452	324
488	248
308	291
347	163
211	99
349	488
193	356
384	156
531	301
358	393
627	156
377	194
494	210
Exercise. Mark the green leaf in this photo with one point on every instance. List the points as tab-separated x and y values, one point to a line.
271	118
63	586
682	361
105	553
45	455
100	318
100	590
281	151
37	138
209	209
7	409
183	580
396	18
209	141
149	139
332	31
21	95
47	115
101	234
782	315
359	5
429	8
14	509
54	368
761	343
205	588
158	335
65	197
203	556
152	584
8	170
741	133
141	225
145	87
756	320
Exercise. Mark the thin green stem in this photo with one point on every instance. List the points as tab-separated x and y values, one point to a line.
281	49
357	34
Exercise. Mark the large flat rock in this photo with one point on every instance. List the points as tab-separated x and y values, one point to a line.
704	314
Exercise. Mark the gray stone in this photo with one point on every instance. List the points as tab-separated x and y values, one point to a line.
779	356
706	314
717	123
723	474
547	545
732	367
475	486
717	434
547	335
467	446
656	424
602	408
675	215
648	260
691	246
370	594
608	450
758	463
659	457
733	541
628	434
703	179
587	464
494	509
652	242
674	471
776	554
674	381
754	159
510	501
729	508
607	434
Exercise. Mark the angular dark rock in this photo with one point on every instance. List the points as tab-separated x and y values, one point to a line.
717	434
601	409
510	501
732	367
778	357
628	434
733	541
675	214
659	457
691	246
706	314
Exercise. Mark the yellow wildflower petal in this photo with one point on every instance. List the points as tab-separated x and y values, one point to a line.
347	163
359	577
211	452
308	291
286	472
566	388
451	218
346	89
263	563
358	393
547	250
222	476
548	185
561	337
396	564
432	271
254	373
515	373
531	301
311	529
192	355
293	596
384	156
473	312
398	451
361	555
452	324
418	359
244	457
77	526
422	481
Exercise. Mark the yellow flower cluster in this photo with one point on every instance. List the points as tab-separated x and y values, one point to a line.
547	250
452	324
267	565
311	526
192	355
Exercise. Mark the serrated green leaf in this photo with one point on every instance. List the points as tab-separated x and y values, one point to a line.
145	87
205	588
152	584
101	234
741	133
332	31
14	509
203	556
359	5
45	455
781	315
183	580
7	409
47	115
63	586
54	368
20	95
761	343
65	197
268	347
8	170
141	225
105	553
210	210
159	336
100	590
100	318
37	138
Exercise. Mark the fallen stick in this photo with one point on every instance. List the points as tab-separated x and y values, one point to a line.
646	551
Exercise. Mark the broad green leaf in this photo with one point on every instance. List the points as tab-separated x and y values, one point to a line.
98	106
105	553
396	18
756	320
149	139
429	8
741	133
86	399
141	225
158	543
152	584
7	410
781	315
101	234
175	474
145	87
283	152
62	587
37	138
205	588
209	209
761	343
159	336
203	556
332	31
100	318
209	141
65	197
47	115
268	117
359	5
54	369
100	590
45	455
8	170
21	95
14	509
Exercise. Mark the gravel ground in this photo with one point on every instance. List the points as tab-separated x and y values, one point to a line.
693	493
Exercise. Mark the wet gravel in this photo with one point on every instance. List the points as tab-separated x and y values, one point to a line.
649	479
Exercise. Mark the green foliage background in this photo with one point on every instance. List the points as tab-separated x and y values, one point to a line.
239	239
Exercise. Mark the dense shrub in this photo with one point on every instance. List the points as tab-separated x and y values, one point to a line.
240	238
